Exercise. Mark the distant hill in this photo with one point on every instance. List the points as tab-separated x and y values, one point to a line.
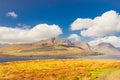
118	48
106	48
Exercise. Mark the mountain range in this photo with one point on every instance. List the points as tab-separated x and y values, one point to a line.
57	46
106	48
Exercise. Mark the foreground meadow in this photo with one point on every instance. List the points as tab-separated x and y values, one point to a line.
71	69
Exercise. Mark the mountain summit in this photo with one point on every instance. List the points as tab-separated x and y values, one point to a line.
106	48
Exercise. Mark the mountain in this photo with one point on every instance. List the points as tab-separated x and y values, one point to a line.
105	48
118	48
82	45
52	46
57	46
52	42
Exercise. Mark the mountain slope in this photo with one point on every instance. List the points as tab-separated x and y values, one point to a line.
106	48
57	46
52	46
82	45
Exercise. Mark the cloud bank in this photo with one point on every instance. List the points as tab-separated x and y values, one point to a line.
75	37
12	14
37	33
110	39
106	24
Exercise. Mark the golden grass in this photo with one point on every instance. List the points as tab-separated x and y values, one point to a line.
72	69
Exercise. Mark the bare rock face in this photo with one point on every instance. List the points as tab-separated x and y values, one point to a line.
52	42
56	41
82	45
106	48
43	43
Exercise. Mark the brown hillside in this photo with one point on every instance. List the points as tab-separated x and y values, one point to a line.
53	46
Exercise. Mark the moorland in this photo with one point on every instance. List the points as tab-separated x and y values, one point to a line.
70	69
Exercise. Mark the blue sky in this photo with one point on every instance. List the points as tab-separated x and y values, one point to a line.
59	12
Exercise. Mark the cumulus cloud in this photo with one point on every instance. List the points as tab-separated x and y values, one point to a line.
106	24
37	33
12	14
110	39
75	37
80	23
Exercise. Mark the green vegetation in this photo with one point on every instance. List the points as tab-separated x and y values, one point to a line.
43	49
112	74
6	55
74	69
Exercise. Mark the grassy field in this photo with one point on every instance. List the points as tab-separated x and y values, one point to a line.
71	69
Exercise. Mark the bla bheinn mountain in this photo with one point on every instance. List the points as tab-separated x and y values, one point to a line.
52	46
58	47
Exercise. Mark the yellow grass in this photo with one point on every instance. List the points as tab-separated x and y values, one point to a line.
74	69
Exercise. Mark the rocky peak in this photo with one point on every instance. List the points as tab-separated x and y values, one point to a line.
82	45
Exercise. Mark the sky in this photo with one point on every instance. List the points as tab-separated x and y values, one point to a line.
92	21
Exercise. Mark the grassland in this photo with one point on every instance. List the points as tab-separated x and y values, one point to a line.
71	69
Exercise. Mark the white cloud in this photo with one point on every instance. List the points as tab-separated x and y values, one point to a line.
37	33
110	39
12	14
106	24
75	37
81	23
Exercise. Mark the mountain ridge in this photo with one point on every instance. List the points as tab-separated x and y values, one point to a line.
57	45
106	48
48	46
